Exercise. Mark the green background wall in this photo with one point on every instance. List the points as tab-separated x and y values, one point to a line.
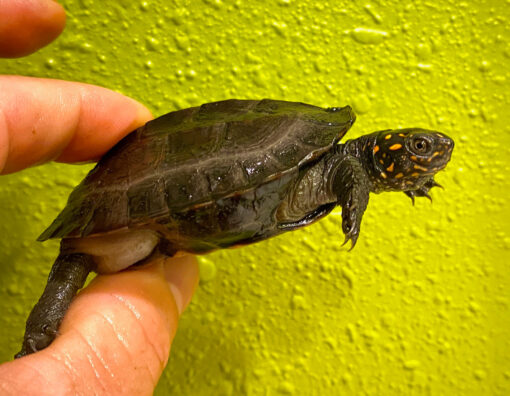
421	305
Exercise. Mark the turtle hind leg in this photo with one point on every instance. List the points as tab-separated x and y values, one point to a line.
67	276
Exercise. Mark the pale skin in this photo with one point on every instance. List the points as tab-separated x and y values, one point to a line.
117	334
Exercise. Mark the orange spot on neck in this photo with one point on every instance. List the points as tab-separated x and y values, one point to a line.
396	146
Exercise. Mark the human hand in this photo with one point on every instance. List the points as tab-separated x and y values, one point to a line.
116	336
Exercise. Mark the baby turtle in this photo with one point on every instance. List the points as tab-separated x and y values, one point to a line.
226	173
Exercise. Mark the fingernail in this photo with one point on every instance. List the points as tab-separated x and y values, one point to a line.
143	114
182	275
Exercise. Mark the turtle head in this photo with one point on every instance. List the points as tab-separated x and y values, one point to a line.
407	159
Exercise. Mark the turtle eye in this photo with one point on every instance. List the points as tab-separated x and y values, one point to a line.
420	145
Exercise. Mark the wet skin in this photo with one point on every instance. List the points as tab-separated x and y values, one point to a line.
402	160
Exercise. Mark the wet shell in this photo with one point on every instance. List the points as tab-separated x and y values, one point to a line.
193	157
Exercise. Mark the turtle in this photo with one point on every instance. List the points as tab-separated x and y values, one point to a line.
220	175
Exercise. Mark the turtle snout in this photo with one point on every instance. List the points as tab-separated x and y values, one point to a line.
445	147
448	143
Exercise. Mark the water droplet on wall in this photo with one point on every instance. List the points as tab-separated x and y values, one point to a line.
423	52
286	388
298	302
152	44
348	276
370	10
368	36
361	103
480	375
207	269
412	364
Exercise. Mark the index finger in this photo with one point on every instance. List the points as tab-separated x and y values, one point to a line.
27	25
43	120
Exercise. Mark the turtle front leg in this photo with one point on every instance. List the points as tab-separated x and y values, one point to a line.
67	276
423	191
351	185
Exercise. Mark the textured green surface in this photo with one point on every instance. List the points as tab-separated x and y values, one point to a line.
421	306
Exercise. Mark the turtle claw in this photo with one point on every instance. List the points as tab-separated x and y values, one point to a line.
49	330
423	191
38	339
352	238
411	194
350	227
31	347
432	183
28	348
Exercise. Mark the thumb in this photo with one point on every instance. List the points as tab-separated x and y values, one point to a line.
116	336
